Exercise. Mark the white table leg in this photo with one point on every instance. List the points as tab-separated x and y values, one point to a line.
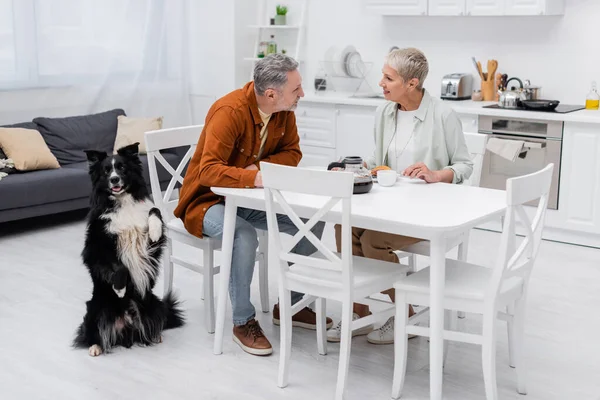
436	313
225	272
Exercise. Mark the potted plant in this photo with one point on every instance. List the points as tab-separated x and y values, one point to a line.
280	17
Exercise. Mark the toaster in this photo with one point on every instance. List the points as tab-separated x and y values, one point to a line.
457	86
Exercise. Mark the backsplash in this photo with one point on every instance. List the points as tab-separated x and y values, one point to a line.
559	53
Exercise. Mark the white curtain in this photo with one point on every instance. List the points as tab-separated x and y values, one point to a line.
73	57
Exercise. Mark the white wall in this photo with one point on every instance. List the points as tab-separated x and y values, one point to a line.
561	54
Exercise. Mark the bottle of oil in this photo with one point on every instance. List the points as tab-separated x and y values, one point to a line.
592	100
272	45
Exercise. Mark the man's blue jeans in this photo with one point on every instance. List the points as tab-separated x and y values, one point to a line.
245	243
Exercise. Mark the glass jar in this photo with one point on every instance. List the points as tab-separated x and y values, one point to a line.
477	96
262	50
271	46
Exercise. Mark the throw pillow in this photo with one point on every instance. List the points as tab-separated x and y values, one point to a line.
131	130
68	137
27	149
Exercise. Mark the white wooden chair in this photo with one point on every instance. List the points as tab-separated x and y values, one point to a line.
179	137
498	292
324	275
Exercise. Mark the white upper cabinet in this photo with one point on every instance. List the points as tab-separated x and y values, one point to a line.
485	7
446	7
466	7
534	7
398	7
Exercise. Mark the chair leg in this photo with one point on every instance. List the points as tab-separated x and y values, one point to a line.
168	267
345	345
463	249
263	270
208	285
412	263
400	346
450	322
321	326
519	345
285	315
488	357
510	310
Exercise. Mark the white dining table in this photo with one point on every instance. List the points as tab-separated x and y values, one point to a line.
435	212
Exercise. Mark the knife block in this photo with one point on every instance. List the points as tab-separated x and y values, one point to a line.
488	90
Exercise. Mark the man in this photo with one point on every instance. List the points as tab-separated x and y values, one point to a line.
249	125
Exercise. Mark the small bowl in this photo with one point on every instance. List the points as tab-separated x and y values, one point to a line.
387	177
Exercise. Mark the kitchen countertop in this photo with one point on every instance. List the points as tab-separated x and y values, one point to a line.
462	107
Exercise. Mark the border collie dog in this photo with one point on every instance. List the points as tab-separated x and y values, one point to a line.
123	246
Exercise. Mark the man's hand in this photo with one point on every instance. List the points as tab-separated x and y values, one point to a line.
258	180
420	170
251	167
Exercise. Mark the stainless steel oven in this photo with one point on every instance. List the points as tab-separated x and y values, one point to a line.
542	145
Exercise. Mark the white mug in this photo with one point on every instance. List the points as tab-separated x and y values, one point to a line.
387	177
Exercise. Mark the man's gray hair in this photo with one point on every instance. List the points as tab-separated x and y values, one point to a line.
271	72
409	63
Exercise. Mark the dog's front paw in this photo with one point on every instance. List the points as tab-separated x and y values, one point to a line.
155	227
95	350
120	292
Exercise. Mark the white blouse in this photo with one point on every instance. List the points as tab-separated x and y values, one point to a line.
401	150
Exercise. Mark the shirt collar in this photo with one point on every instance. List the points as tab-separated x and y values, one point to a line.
251	97
423	107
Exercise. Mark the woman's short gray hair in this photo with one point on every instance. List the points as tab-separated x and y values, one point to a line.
409	63
271	72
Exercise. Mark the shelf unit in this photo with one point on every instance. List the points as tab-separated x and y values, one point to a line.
262	27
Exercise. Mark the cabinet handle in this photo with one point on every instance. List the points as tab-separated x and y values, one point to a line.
304	113
468	12
337	112
461	13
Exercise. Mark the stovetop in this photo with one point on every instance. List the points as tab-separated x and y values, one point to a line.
561	109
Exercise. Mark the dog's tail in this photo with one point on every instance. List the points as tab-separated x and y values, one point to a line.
175	317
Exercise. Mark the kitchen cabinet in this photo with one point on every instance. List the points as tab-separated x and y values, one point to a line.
446	7
485	7
470	122
314	156
330	131
579	194
534	7
466	7
354	131
397	7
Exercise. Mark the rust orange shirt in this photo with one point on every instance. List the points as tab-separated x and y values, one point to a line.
230	142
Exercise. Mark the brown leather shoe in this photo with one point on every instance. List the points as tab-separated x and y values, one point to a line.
305	318
251	339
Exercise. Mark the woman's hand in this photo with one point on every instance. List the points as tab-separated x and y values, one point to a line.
420	170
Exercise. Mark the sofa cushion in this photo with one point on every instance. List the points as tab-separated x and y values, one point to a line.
41	187
68	137
27	149
132	130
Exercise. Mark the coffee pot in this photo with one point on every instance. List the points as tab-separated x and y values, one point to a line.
362	176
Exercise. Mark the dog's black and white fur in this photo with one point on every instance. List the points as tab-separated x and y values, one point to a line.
123	246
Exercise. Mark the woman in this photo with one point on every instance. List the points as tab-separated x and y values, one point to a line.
419	136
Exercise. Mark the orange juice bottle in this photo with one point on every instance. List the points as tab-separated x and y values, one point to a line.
592	101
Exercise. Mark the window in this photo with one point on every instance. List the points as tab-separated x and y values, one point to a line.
62	42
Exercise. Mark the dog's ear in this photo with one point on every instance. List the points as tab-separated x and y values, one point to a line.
131	150
95	156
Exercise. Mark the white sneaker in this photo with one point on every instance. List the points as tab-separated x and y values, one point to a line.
385	334
334	334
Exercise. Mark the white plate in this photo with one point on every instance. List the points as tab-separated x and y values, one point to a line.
406	179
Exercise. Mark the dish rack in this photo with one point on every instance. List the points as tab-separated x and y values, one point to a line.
345	76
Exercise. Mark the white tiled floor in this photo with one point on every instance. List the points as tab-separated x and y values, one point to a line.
43	288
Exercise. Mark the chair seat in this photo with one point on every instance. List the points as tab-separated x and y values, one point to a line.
176	224
463	281
367	272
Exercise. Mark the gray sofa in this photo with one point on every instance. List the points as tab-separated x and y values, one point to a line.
36	193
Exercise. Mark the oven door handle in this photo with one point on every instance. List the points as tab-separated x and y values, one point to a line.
534	145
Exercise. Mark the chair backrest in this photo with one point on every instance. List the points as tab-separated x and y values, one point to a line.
476	143
328	188
168	138
513	261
